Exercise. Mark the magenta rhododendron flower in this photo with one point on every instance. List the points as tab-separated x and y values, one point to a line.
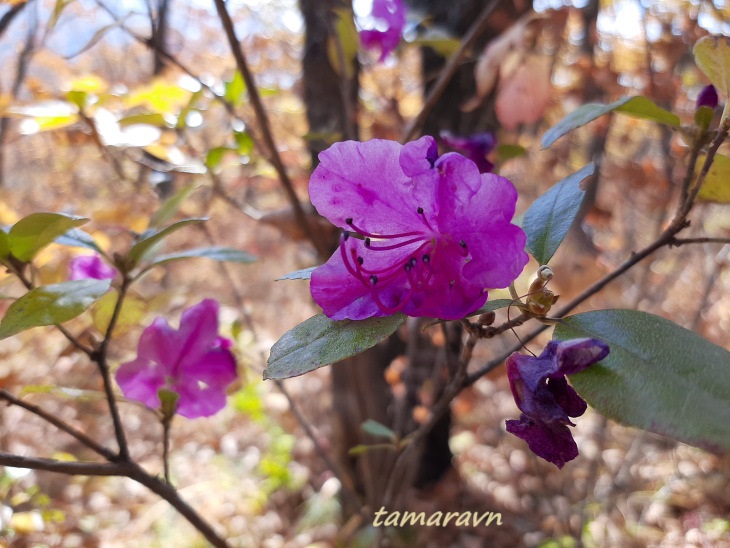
384	26
193	362
545	398
708	97
424	235
90	266
475	147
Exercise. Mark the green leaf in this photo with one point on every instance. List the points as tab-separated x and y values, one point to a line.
34	232
343	44
150	239
169	207
151	119
4	245
217	253
320	341
244	142
638	107
51	304
716	187
303	274
374	428
550	216
508	151
215	155
712	55
57	10
234	90
658	376
78	238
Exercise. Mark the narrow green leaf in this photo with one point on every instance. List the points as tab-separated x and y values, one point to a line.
360	449
215	155
303	274
234	90
57	10
151	119
34	232
51	304
547	221
374	428
658	376
343	45
320	341
217	253
169	207
78	238
145	244
638	107
716	187
4	245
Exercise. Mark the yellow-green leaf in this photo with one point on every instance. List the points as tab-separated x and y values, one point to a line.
716	187
712	55
132	313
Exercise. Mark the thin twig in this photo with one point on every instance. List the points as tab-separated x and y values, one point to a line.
265	127
676	242
447	73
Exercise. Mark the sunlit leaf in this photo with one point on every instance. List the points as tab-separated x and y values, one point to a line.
320	341
658	376
151	119
160	97
132	313
638	107
4	245
547	221
56	13
712	55
303	274
244	143
34	232
170	207
51	304
235	90
67	392
507	152
342	47
716	187
215	155
216	253
442	44
150	238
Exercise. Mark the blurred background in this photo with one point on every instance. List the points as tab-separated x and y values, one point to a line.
109	108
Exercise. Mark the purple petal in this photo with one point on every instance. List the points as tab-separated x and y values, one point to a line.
90	267
140	380
365	182
566	397
475	147
708	97
202	384
573	356
552	442
161	345
390	19
198	331
418	157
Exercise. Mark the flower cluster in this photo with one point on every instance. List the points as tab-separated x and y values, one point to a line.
384	26
194	362
424	235
545	398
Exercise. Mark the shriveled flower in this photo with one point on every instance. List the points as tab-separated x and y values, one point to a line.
384	26
193	362
424	235
545	398
475	147
90	266
708	97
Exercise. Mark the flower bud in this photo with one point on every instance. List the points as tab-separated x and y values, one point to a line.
707	97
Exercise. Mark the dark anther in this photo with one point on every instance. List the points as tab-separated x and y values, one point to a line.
345	236
348	220
426	258
413	262
359	260
420	211
462	243
367	242
408	267
373	279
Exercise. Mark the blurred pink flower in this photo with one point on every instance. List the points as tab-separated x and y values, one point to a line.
193	362
385	27
90	267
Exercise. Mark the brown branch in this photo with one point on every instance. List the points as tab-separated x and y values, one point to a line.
447	73
265	126
676	242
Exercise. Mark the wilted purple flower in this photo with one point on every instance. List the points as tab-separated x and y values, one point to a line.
708	97
90	266
425	236
193	362
475	147
385	26
545	398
